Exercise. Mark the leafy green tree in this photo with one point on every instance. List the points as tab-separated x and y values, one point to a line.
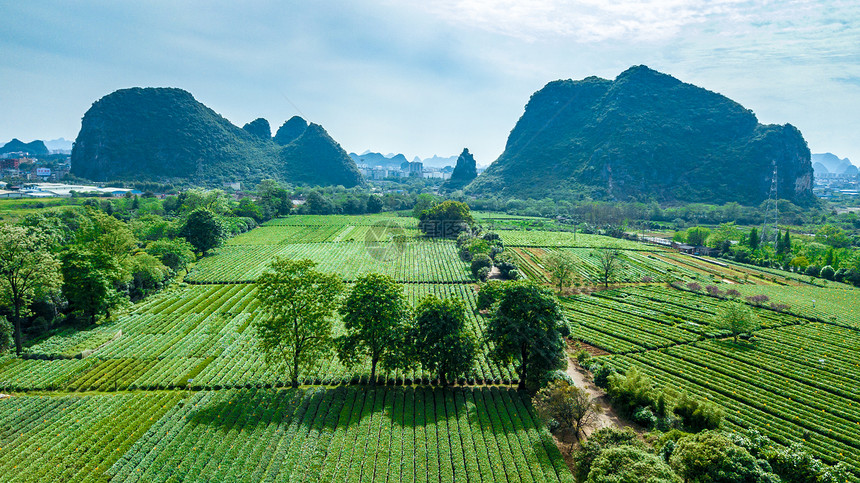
7	334
317	204
709	457
561	267
374	315
204	230
27	270
833	236
442	342
423	202
147	274
446	220
481	261
527	330
608	264
786	242
176	254
299	302
629	464
697	235
88	281
754	239
247	208
570	407
489	294
600	441
374	204
737	319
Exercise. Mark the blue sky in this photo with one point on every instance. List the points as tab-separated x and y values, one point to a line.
424	78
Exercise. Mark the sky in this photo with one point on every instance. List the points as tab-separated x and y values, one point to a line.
424	77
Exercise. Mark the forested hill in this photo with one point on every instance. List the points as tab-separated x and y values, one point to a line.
165	134
646	136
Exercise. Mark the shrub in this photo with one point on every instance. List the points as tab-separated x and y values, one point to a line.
813	271
733	293
481	261
713	290
483	274
698	415
582	356
647	279
601	372
780	307
514	274
758	299
695	287
827	272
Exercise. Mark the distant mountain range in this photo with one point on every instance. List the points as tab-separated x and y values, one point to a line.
164	134
392	160
829	163
35	148
646	136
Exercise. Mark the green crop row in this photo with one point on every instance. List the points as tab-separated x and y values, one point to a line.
346	434
411	261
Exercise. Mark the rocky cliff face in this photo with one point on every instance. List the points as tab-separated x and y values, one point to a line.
164	134
646	136
464	172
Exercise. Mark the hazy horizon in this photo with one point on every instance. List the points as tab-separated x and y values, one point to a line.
425	79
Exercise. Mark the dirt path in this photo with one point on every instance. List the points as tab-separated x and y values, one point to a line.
607	417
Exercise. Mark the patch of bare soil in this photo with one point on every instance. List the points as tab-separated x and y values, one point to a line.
495	274
594	351
567	441
4	396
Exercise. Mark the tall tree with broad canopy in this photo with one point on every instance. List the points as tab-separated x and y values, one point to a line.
88	281
569	406
374	314
204	230
528	330
440	338
737	319
446	220
299	303
27	270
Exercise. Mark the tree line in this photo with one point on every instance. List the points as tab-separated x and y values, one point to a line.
525	325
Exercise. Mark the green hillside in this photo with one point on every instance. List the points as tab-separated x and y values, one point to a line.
646	136
165	134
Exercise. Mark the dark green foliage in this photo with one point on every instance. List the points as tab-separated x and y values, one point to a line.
249	209
6	334
629	464
445	220
793	464
87	282
317	204
176	254
290	130
713	458
489	294
374	204
646	136
259	127
526	330
164	134
753	239
464	172
479	262
697	415
35	148
374	316
204	230
600	441
440	338
827	272
813	270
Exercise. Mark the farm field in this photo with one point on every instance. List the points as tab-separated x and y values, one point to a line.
796	382
636	266
317	434
199	337
411	261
